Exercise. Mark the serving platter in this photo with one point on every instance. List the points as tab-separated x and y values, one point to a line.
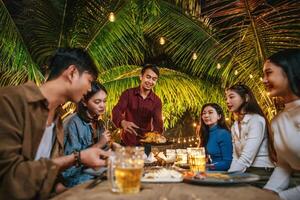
222	178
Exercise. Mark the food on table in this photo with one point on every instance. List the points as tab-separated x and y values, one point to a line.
203	175
154	137
162	173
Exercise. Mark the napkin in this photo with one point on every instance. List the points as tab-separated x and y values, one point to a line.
150	158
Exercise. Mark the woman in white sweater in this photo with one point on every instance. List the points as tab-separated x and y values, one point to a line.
250	133
282	79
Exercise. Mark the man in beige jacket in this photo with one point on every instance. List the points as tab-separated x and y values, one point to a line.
31	135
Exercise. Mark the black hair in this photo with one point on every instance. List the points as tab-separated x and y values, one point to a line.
153	67
64	57
81	108
204	129
289	61
250	105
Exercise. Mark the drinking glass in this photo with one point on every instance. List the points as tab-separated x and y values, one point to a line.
126	169
181	156
197	159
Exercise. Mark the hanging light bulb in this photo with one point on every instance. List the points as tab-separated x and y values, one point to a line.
236	72
162	41
194	56
261	79
250	76
218	66
178	141
192	139
111	17
194	124
184	141
227	118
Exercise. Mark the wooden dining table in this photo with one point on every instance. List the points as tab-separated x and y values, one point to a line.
167	191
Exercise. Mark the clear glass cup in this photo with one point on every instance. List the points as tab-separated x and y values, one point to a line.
197	160
171	153
125	169
181	156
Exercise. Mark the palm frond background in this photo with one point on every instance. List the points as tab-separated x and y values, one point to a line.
208	46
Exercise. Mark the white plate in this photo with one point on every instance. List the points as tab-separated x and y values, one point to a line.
161	180
161	175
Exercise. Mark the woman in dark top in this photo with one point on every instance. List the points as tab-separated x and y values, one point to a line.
215	137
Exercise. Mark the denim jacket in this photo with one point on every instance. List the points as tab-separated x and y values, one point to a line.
78	136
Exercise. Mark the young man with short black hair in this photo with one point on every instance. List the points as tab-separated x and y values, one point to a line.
31	134
139	109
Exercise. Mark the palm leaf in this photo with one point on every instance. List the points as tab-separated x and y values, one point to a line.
16	65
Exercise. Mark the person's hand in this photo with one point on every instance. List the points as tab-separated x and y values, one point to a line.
102	141
91	157
129	127
115	146
107	135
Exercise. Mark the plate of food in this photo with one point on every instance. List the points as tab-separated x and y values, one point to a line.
154	138
220	178
161	175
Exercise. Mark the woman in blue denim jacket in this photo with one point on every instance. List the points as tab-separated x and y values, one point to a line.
83	129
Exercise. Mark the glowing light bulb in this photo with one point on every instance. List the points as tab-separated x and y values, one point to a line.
162	40
250	76
261	79
218	66
194	124
236	72
194	56
227	118
111	17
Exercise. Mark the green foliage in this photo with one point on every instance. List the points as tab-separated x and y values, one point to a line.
231	38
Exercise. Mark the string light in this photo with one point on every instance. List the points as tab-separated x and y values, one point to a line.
194	124
162	41
111	17
218	66
184	140
227	118
250	76
236	72
261	79
194	56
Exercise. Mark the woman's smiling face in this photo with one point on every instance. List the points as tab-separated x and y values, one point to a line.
275	80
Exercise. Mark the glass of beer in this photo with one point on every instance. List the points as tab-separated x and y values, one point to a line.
197	159
126	169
